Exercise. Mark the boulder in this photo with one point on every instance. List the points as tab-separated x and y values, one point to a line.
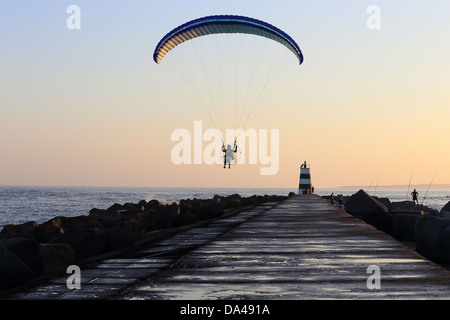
137	226
94	212
201	211
115	207
13	271
152	204
274	198
403	226
446	207
260	199
21	230
387	203
363	206
130	226
142	203
73	224
49	229
172	209
27	250
85	243
68	238
56	257
362	203
433	238
161	221
248	201
130	208
411	207
232	201
186	206
111	219
445	214
119	238
93	244
185	218
402	204
214	209
445	211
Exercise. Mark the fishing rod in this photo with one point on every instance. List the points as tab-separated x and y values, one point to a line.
376	185
368	188
426	193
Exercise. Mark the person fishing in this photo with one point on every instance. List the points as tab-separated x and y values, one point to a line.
415	194
332	196
228	154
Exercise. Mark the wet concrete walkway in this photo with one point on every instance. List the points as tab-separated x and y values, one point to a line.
301	248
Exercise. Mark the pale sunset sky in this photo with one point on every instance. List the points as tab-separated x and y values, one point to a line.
90	107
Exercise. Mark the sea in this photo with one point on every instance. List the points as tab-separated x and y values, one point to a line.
20	204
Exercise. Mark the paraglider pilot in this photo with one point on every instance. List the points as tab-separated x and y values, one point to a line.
228	154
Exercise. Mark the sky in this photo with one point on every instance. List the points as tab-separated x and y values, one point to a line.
90	107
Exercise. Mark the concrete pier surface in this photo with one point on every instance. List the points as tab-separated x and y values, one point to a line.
298	249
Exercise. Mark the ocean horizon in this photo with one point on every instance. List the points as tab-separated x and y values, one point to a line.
20	204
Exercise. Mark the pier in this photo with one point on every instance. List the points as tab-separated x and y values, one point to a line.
297	249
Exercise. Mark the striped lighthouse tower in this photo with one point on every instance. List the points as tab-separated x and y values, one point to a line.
305	186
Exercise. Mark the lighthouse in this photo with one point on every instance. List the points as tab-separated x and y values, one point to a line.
305	186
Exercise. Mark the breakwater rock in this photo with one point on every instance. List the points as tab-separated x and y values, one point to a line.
445	211
429	229
31	250
433	238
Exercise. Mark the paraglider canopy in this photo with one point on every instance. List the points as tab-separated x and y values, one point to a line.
223	24
230	75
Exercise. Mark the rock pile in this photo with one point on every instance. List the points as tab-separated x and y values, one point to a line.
432	233
29	250
433	238
406	221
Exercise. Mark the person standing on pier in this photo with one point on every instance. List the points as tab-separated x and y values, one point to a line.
415	194
340	199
